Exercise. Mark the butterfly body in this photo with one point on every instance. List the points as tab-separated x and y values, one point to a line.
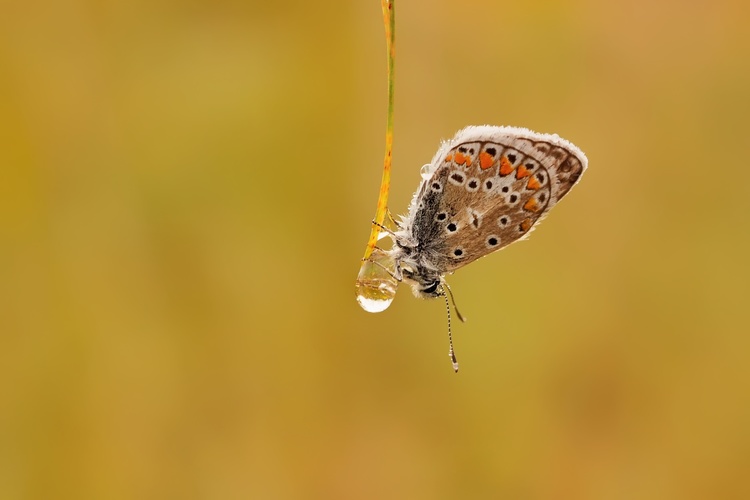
484	189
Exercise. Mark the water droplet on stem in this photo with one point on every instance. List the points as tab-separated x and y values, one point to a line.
375	288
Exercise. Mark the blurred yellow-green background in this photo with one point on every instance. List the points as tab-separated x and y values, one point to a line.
185	194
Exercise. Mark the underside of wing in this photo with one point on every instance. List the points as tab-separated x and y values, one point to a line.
489	187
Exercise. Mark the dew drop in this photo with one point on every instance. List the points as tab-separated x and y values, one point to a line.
424	172
375	288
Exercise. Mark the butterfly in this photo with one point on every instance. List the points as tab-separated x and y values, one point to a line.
484	189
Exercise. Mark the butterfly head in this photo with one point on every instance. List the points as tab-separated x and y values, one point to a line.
425	284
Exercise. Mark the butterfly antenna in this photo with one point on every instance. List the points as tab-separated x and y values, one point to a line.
458	313
451	353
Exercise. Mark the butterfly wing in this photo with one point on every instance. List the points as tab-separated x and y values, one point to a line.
488	187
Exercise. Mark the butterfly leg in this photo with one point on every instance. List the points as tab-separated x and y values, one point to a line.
399	239
391	219
385	230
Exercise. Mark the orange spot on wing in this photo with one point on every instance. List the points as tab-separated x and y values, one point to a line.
505	166
449	158
485	160
522	172
531	205
468	161
460	158
533	184
525	225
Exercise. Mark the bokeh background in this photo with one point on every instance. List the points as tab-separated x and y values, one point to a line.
185	194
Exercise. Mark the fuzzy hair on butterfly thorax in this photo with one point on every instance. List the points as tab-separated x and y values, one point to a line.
484	189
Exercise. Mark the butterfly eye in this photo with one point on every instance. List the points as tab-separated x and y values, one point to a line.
431	288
